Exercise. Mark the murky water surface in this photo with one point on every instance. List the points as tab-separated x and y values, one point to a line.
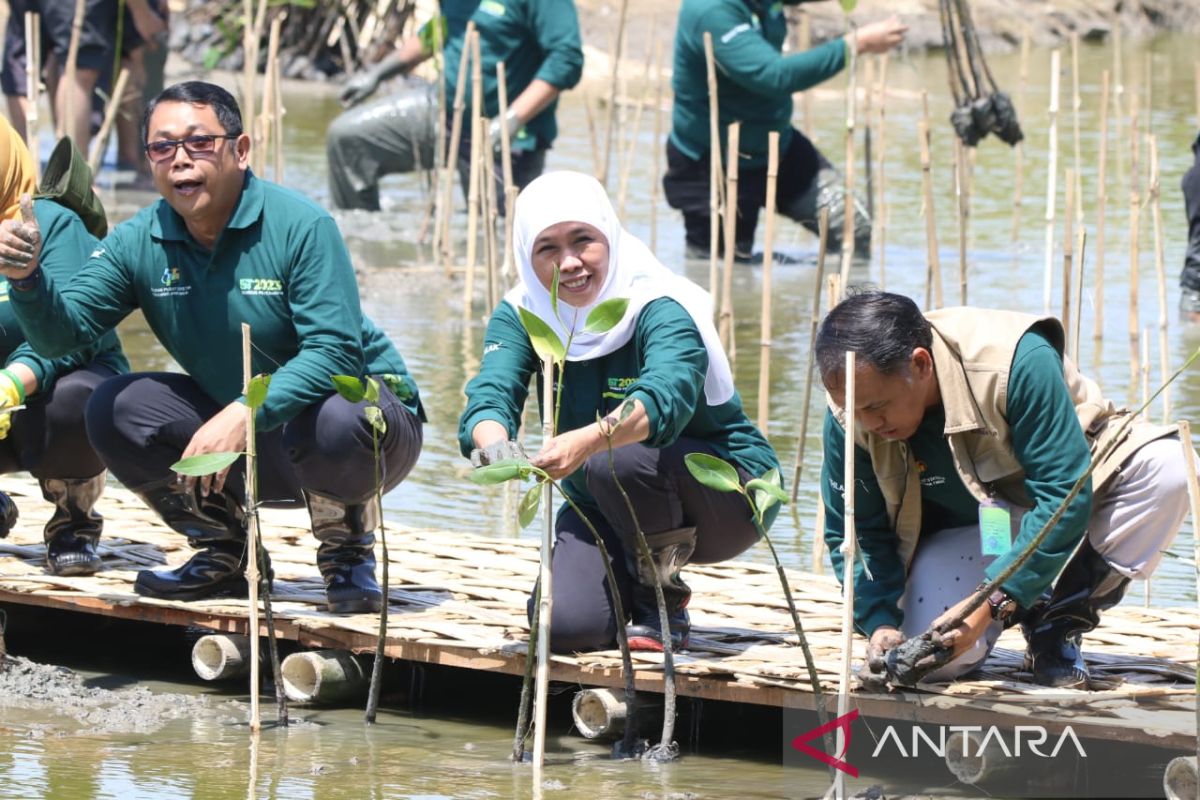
406	756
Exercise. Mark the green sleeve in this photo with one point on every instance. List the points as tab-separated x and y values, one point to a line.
498	392
556	27
322	297
749	60
876	602
1053	451
674	363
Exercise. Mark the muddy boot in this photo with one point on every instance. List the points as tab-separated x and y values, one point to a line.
1088	586
73	530
346	555
8	514
214	526
669	551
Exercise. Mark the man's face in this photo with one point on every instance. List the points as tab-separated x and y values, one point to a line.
206	180
890	405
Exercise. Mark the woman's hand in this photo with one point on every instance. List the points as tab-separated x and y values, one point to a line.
960	638
565	453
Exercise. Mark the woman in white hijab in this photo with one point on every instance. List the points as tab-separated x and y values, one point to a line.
665	361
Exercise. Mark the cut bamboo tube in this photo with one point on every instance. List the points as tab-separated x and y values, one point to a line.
881	207
251	533
505	167
610	112
1160	273
1135	227
1076	104
1068	250
33	82
814	323
1019	149
848	215
66	85
460	90
849	550
1051	179
731	193
477	145
1080	253
714	171
658	150
1101	204
221	656
933	269
806	97
100	141
764	361
546	593
962	192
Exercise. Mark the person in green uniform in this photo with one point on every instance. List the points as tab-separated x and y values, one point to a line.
223	247
48	437
755	82
664	366
972	427
538	41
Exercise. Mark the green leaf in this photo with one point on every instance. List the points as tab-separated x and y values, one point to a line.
398	385
374	416
501	471
212	57
765	493
349	387
554	282
256	392
713	472
528	507
544	340
848	5
371	395
204	464
606	315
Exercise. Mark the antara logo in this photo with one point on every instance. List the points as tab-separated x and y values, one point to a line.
842	722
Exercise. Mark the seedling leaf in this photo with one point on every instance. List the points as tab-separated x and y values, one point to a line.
374	416
544	340
528	507
204	463
501	471
713	472
371	394
256	391
349	387
606	315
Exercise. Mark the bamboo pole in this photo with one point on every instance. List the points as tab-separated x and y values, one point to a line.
1101	204
848	214
1161	275
1068	250
460	90
100	141
849	550
252	26
731	190
505	167
714	172
487	200
1019	149
658	150
252	535
962	192
66	86
546	593
1080	253
277	112
881	206
626	157
818	550
477	144
591	122
1051	179
1135	226
33	82
933	269
764	361
610	112
436	201
1076	104
267	117
814	323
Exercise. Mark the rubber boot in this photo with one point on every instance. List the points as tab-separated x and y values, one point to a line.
73	530
8	514
215	526
669	551
346	555
1088	586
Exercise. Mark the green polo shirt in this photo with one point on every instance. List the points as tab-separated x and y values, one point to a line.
755	81
534	38
280	265
66	245
663	364
1047	441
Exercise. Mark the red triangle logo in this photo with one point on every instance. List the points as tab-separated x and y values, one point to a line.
841	722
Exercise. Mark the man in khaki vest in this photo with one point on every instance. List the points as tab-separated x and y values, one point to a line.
972	427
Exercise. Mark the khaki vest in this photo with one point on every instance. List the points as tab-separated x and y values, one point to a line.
973	351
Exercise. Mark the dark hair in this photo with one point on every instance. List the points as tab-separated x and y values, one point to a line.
201	94
881	328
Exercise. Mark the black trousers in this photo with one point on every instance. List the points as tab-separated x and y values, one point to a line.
141	423
665	496
48	438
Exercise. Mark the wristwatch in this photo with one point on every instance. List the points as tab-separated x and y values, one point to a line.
1001	605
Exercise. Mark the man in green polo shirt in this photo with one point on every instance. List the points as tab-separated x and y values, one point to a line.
538	41
755	82
223	247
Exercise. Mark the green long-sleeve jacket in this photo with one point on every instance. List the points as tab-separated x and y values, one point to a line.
755	81
280	265
534	38
66	245
663	365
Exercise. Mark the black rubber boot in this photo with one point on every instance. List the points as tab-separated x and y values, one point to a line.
346	555
215	526
1088	586
73	530
669	551
8	514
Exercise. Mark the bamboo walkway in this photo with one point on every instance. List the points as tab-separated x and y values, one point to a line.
459	600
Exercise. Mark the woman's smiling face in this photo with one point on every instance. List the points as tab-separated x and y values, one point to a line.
581	253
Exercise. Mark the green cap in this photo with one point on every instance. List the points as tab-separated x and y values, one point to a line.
67	180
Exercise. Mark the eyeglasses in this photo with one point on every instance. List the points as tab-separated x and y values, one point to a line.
199	145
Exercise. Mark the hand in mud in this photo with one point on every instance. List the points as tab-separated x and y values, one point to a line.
20	242
960	638
224	433
879	37
883	639
497	451
916	658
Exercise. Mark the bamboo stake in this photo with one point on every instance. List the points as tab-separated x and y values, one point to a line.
714	171
764	362
933	269
267	117
731	190
252	26
1101	204
849	551
100	142
591	121
1161	274
505	167
1076	103
277	112
1135	210
881	206
66	118
545	596
962	194
487	201
625	159
610	112
818	551
814	323
251	535
868	124
1051	179
1068	249
658	149
452	152
1080	252
33	82
1019	149
848	214
436	201
474	209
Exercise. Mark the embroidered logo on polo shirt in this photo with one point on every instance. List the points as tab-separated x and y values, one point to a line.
617	387
492	7
171	284
259	287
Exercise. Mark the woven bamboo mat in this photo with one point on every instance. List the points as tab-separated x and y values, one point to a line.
462	595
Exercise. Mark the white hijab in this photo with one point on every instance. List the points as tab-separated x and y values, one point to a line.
633	273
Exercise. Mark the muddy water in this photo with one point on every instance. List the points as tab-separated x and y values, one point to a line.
44	754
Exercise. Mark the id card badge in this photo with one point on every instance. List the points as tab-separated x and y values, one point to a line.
995	528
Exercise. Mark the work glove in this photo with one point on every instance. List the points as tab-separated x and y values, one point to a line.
510	121
12	395
497	451
360	87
